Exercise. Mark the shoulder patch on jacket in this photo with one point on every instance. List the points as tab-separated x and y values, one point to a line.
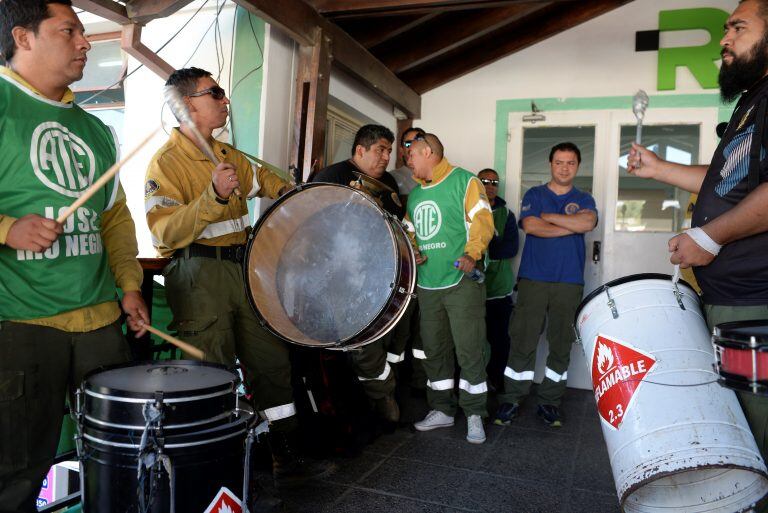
150	188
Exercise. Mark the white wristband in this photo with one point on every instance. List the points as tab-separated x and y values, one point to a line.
701	238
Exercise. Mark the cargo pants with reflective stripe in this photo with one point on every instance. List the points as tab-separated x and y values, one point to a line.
210	311
454	319
39	367
538	302
375	364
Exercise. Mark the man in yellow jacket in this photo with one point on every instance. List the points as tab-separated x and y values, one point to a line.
450	218
197	218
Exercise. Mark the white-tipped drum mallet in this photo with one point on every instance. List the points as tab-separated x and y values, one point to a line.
179	109
184	346
639	104
103	179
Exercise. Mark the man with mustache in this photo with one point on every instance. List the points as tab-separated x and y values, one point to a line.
197	218
59	317
727	242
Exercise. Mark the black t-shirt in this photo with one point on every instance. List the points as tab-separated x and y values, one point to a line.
738	276
343	173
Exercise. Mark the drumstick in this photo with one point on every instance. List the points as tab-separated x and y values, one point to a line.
176	103
184	346
103	179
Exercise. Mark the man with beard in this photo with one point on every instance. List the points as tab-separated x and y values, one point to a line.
729	236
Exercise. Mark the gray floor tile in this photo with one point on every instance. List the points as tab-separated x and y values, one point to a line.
496	494
362	501
420	481
455	452
591	502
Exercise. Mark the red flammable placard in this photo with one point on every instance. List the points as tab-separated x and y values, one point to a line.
617	370
225	502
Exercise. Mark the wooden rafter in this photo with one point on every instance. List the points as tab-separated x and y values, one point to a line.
386	28
132	45
301	22
144	11
544	23
448	31
355	8
107	9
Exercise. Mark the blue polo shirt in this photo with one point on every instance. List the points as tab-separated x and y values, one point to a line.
555	259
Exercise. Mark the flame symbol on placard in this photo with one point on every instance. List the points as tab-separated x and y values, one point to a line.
604	358
225	509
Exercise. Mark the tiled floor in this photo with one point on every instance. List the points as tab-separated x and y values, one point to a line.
522	468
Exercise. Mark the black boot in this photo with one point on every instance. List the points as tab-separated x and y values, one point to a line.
288	466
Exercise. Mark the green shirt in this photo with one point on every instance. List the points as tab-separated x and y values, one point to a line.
52	152
499	278
438	216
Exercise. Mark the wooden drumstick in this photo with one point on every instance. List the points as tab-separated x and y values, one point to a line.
176	103
103	179
184	346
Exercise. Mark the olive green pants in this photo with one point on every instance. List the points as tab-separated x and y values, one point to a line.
538	302
39	367
373	363
453	319
211	312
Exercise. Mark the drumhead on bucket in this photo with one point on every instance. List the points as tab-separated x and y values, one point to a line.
322	264
744	331
620	281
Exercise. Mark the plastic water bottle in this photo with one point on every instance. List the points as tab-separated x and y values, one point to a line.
474	275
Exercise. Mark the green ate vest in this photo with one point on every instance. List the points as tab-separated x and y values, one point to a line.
499	278
51	152
437	214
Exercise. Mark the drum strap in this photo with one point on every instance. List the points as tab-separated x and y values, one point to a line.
756	149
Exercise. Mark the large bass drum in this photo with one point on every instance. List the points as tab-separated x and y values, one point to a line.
325	266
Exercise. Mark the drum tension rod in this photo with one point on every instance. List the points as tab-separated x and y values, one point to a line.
611	303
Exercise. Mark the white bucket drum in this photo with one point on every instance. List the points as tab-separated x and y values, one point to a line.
677	440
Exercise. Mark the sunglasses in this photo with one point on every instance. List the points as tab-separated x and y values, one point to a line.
487	181
419	137
216	92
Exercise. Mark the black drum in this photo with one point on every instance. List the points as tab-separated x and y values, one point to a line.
325	266
161	437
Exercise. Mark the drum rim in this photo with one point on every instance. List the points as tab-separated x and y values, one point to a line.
107	391
725	331
627	279
342	344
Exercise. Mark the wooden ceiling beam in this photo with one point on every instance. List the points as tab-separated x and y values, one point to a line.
447	32
144	11
529	30
355	8
301	22
385	28
107	9
132	45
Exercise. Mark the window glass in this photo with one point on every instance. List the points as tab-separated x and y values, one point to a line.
647	205
538	142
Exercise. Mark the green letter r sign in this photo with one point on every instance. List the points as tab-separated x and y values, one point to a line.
699	59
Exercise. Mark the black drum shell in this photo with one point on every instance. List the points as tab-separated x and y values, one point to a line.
115	407
209	459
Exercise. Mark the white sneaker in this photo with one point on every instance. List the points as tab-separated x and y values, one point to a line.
475	431
434	419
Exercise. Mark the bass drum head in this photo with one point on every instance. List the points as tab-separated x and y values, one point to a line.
322	264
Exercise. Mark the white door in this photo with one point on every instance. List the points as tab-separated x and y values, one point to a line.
528	166
636	217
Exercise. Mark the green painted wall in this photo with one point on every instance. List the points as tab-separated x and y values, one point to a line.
247	83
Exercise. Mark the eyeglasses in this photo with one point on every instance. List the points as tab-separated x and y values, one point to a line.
487	181
419	137
216	92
